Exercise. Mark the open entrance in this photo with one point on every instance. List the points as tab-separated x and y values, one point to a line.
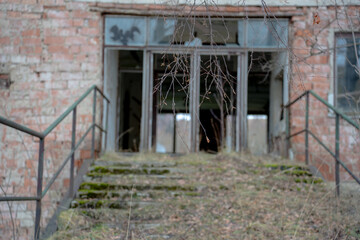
171	116
265	99
218	80
178	85
129	100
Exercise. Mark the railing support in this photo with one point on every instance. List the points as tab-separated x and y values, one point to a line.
72	163
41	135
287	130
39	189
106	124
337	154
307	129
93	130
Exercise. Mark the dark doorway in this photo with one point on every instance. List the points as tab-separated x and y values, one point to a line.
218	79
129	100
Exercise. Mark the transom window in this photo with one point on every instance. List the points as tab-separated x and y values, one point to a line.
152	31
347	87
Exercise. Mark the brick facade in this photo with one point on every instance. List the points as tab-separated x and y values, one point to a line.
52	51
312	67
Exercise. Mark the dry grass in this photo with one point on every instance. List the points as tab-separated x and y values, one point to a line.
238	197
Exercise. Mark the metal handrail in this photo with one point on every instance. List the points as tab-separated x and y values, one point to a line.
74	146
336	155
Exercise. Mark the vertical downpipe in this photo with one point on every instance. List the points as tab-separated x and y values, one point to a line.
39	189
93	130
307	130
73	139
337	154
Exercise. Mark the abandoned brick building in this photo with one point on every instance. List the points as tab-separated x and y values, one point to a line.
180	78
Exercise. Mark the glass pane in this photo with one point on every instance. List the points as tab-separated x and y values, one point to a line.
183	32
241	32
162	31
171	103
348	79
125	31
201	32
257	134
267	33
164	132
183	125
219	32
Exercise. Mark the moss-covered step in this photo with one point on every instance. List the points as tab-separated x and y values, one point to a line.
126	195
140	180
133	177
135	164
282	167
112	204
108	186
96	170
309	180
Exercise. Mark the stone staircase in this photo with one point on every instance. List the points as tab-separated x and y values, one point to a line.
135	193
119	185
159	196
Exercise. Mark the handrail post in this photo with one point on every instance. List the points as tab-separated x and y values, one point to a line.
93	130
287	130
307	129
72	163
337	154
39	189
106	123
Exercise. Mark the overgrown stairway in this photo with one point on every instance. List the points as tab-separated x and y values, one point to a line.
184	197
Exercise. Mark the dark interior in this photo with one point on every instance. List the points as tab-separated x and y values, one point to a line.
217	99
129	100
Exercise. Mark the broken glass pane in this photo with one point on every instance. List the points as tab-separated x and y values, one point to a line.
216	32
347	73
162	31
125	31
265	33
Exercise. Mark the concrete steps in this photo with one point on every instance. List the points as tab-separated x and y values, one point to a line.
152	199
140	187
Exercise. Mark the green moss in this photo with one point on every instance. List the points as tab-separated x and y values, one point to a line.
88	193
308	180
222	187
102	171
297	172
94	186
282	166
192	194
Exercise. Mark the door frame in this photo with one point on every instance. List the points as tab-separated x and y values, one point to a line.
146	144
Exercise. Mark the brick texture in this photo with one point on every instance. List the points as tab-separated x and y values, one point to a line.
52	50
312	68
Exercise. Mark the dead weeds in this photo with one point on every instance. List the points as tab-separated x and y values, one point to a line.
238	197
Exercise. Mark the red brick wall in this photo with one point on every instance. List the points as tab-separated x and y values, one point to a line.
312	67
52	50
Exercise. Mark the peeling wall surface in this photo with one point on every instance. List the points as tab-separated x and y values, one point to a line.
53	52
